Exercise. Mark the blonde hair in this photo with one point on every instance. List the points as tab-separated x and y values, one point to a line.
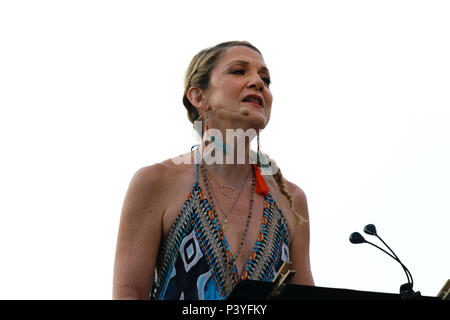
198	74
278	176
199	71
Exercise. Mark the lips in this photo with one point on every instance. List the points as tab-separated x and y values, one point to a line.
254	100
254	104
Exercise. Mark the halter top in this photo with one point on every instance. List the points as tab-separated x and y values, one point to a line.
195	261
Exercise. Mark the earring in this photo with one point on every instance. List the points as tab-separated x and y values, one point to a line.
258	163
218	142
207	128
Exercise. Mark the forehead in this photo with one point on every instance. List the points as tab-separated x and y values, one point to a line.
241	53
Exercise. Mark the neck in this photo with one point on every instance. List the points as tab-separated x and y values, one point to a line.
232	146
230	163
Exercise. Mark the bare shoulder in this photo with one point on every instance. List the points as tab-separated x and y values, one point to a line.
164	185
301	240
293	188
139	234
158	174
154	181
149	177
149	194
298	198
143	191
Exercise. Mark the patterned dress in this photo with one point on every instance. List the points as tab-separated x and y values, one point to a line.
195	261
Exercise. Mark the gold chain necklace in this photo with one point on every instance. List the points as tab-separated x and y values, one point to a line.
247	224
225	220
231	193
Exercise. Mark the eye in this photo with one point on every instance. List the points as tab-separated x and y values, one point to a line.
241	71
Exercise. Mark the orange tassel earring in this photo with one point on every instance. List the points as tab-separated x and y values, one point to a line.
260	184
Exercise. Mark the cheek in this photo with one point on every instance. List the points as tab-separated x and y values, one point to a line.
230	91
228	88
269	100
233	86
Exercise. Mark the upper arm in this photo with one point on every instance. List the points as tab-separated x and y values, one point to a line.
299	247
139	235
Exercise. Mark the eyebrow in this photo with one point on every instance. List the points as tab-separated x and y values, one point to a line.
245	63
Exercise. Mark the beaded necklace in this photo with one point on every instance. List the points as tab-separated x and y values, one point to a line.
247	224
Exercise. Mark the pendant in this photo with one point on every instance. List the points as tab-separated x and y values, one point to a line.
224	224
230	194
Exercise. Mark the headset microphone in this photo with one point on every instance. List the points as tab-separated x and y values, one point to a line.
242	110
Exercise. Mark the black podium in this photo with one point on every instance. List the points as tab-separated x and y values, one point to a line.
260	290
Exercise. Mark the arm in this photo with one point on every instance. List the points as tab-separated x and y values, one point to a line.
299	248
139	235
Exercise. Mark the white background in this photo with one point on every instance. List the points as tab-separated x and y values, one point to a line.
90	91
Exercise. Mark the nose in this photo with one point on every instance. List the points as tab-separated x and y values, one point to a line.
255	81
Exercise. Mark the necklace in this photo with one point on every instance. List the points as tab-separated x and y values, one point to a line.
225	220
244	234
227	191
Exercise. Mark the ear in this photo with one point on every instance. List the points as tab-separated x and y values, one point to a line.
198	99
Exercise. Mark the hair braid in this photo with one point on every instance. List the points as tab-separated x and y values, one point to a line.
278	176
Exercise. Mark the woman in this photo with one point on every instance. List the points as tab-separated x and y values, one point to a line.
193	230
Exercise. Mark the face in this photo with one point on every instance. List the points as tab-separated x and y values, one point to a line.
240	72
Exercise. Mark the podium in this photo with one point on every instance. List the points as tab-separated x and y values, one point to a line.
261	290
279	289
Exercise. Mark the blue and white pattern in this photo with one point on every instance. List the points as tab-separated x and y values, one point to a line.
196	262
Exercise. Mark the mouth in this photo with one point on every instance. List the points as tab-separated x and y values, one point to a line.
254	100
254	104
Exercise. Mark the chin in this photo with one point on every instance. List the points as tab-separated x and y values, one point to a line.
257	121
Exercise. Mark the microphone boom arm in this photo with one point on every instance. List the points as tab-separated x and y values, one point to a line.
398	259
408	274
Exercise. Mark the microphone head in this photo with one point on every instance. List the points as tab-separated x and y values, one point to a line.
370	229
244	111
356	238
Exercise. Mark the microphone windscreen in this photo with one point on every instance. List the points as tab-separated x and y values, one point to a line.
244	111
370	229
356	237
